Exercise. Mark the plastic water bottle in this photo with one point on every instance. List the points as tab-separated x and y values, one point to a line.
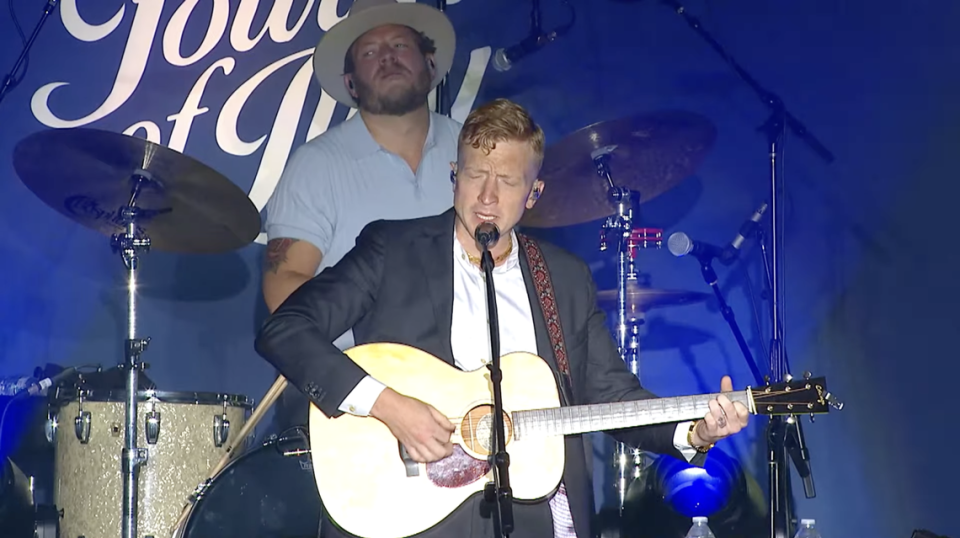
700	529
807	529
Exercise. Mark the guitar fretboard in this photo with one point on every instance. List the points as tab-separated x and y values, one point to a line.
610	416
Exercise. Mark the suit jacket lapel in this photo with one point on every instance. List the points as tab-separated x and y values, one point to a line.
435	251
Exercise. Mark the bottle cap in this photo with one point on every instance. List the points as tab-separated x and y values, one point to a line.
808	521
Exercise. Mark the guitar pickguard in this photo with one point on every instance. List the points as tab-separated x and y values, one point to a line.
457	470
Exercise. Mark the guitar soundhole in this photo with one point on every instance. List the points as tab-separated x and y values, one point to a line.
477	429
457	469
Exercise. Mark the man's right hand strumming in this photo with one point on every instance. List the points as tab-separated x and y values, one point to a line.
423	430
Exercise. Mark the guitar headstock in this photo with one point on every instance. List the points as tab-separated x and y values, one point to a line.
795	397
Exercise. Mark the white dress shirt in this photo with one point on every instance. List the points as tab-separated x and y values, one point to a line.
470	343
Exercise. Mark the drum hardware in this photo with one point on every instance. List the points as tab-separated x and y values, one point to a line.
152	426
628	461
143	196
221	428
81	425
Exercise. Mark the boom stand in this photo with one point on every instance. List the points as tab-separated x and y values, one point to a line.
498	492
621	225
779	437
130	244
9	80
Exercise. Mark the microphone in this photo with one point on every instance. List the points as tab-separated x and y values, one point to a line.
487	234
34	388
504	58
680	245
745	230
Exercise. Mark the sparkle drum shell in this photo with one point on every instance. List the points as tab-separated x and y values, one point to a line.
184	435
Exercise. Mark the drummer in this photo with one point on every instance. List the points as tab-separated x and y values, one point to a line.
391	160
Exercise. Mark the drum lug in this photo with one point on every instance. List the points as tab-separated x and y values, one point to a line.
153	427
81	426
50	428
221	429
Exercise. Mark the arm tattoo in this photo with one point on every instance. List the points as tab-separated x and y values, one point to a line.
276	253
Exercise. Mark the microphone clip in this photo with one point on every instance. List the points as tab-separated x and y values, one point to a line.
487	234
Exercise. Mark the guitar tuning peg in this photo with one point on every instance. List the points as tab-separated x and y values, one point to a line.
788	378
807	375
833	401
792	419
812	418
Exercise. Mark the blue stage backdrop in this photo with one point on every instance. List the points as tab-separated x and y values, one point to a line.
870	289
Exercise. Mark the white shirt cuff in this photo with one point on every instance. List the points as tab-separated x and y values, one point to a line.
680	441
362	397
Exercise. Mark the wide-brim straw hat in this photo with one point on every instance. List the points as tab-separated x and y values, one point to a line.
366	15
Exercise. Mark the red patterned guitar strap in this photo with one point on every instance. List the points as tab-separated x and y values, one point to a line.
548	303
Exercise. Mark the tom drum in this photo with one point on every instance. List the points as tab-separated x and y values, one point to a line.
184	434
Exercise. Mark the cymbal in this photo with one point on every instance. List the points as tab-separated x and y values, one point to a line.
649	154
86	175
641	299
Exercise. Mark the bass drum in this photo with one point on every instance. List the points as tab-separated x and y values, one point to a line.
269	492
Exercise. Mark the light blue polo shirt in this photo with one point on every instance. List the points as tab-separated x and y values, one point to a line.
340	181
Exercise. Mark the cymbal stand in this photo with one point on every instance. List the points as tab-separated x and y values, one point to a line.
621	225
130	244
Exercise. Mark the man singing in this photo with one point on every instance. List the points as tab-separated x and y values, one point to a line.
418	282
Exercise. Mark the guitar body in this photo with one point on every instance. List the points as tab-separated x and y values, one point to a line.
365	486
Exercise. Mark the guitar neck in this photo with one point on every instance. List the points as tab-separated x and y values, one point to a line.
611	416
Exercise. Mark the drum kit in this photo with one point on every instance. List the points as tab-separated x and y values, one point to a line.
174	473
144	462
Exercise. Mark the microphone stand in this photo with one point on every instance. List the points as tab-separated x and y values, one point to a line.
793	436
780	437
710	277
8	80
497	492
441	105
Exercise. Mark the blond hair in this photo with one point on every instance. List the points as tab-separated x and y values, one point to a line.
501	120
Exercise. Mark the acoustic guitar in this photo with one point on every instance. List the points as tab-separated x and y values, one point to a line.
370	489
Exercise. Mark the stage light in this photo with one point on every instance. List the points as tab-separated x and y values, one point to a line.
670	492
696	491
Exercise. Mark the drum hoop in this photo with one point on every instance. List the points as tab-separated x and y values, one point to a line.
162	396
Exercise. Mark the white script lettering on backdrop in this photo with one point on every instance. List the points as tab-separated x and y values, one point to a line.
280	139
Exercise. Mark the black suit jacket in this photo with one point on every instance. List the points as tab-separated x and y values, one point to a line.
396	285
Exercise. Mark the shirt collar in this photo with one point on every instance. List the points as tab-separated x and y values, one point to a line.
361	144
